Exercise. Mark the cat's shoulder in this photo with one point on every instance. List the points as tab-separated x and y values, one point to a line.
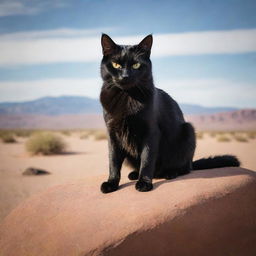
163	95
165	101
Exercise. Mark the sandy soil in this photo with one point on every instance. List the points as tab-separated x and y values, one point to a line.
86	159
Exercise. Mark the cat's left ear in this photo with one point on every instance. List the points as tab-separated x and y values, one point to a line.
146	43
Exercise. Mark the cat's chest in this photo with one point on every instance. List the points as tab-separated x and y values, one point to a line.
130	133
119	103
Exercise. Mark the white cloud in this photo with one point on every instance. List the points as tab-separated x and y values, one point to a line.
76	46
211	92
8	8
27	7
59	33
29	90
207	42
206	92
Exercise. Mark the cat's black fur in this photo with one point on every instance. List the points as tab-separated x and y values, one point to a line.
145	125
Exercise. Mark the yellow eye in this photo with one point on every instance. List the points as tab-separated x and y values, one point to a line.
116	65
136	65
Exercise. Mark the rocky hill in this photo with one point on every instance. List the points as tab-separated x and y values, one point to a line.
244	119
236	120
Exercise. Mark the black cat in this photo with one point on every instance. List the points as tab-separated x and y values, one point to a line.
145	125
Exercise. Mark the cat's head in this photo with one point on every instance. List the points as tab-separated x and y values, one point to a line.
126	66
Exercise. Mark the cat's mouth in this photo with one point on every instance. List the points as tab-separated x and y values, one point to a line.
124	84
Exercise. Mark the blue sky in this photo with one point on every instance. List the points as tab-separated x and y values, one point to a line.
204	52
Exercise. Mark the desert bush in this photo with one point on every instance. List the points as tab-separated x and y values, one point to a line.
251	135
240	138
221	132
23	132
213	134
4	132
45	143
199	135
66	132
100	135
8	138
84	135
223	138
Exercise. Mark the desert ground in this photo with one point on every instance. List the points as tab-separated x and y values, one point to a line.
86	158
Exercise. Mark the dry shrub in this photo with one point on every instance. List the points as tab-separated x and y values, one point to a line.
223	138
66	132
23	132
220	133
251	135
84	135
199	135
8	138
100	135
45	143
213	134
4	132
87	133
240	138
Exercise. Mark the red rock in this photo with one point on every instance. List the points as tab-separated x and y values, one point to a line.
210	212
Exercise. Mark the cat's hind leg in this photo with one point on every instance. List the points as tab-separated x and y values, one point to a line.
175	172
134	175
135	164
181	159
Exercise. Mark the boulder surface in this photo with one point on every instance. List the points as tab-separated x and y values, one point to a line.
208	212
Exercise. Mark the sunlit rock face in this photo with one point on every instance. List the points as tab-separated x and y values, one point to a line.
208	212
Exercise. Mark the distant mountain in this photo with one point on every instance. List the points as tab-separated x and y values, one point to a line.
190	109
66	105
53	106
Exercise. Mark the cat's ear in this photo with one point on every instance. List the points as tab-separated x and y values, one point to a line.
108	45
146	43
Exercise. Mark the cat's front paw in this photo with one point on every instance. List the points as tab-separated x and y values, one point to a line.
134	175
143	186
107	187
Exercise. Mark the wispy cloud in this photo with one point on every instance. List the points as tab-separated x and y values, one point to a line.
26	7
60	33
29	90
207	92
68	45
207	42
211	92
8	8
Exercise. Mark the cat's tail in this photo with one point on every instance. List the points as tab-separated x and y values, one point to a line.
216	162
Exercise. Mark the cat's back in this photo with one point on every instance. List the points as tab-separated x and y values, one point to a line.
167	107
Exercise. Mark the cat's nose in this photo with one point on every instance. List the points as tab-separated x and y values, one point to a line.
125	74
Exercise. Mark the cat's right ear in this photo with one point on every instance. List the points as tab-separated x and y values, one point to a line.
146	43
108	45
